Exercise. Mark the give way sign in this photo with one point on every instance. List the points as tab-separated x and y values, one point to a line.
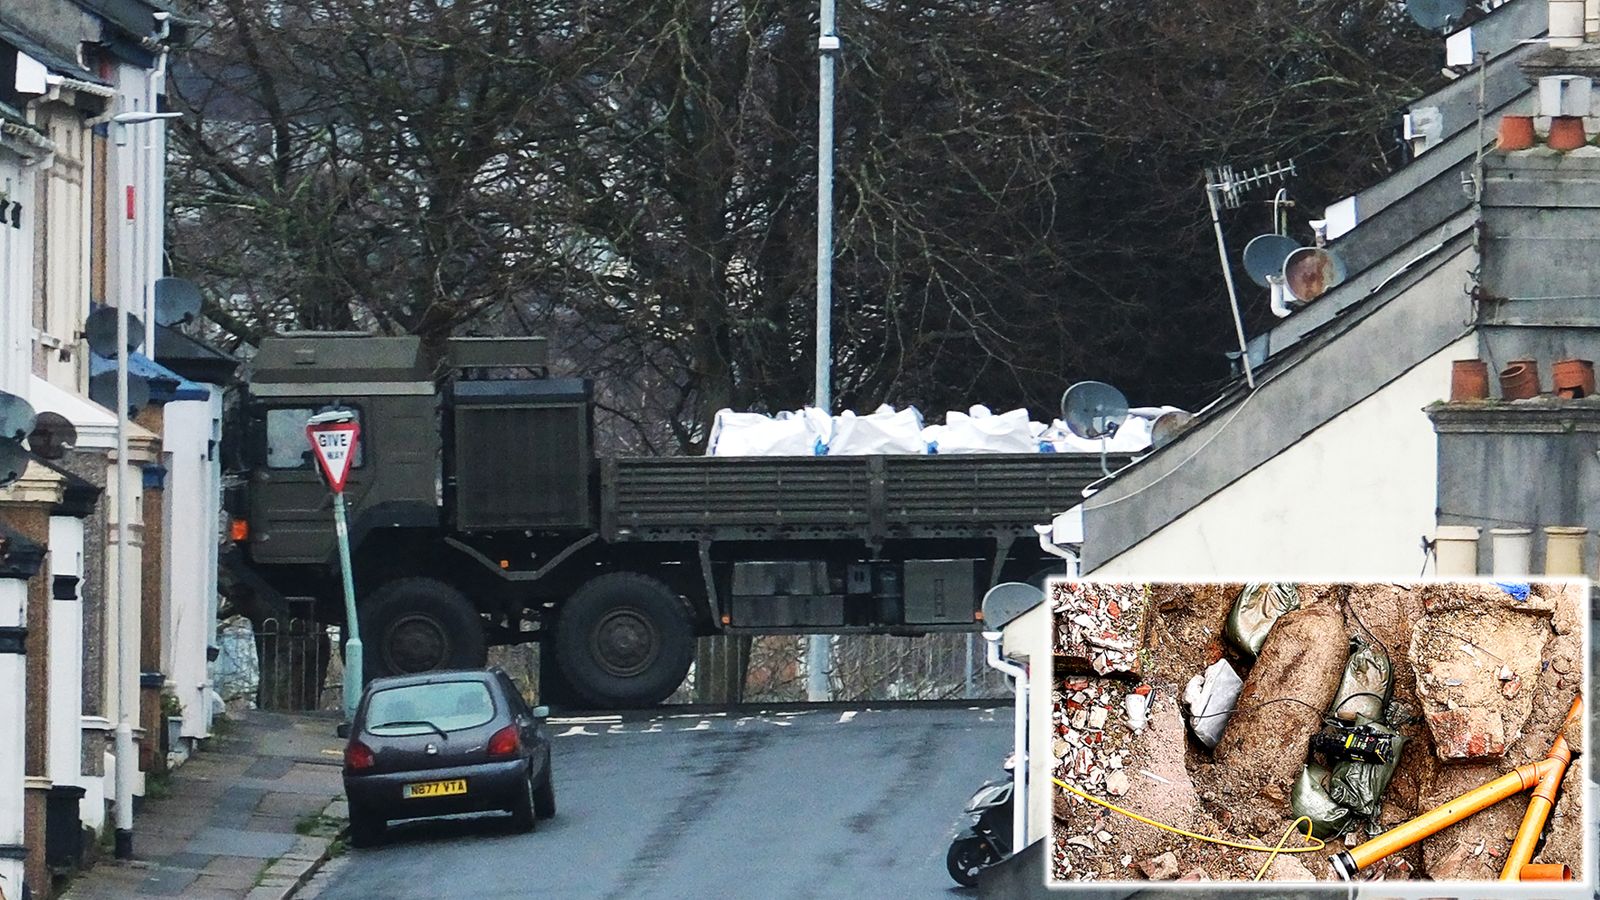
335	446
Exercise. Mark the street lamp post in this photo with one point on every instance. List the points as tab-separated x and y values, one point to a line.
127	757
818	649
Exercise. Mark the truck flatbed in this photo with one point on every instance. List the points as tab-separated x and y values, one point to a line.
872	498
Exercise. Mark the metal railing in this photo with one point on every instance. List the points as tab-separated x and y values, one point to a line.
283	664
294	664
771	669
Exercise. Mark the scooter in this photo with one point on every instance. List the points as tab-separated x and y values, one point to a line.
987	838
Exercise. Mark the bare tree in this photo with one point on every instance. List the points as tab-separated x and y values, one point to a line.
1019	185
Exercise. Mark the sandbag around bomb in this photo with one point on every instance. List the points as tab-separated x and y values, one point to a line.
1255	610
1366	686
1310	798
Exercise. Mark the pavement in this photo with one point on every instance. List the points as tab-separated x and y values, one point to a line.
249	816
786	802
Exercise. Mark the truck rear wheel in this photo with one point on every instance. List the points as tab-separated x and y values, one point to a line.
624	640
420	624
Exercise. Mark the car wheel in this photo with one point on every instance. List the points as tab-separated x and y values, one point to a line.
366	827
418	625
966	859
544	796
624	640
522	818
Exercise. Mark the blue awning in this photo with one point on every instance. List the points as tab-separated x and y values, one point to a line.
165	384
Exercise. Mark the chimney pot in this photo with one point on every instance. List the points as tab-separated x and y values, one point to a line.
1564	95
1566	23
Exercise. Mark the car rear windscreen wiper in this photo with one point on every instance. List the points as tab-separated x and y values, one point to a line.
423	722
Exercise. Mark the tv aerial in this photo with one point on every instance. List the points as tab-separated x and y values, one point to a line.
1264	256
16	418
1167	426
1094	410
1436	15
103	390
1310	272
100	330
1225	188
52	436
13	462
1005	603
177	301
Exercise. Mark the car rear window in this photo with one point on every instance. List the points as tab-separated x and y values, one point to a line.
420	708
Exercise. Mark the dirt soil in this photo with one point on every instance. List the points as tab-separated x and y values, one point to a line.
1174	779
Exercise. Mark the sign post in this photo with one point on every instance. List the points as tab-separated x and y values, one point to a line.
334	435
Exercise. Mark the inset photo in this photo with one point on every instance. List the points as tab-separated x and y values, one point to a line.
1297	732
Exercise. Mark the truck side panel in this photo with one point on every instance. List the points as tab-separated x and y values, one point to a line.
870	498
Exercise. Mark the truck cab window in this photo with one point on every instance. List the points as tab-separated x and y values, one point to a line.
287	447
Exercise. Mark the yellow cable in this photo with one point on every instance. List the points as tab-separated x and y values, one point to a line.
1260	848
1283	840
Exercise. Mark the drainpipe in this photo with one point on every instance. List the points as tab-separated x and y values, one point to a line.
1019	735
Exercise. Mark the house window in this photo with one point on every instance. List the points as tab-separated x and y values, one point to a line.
287	446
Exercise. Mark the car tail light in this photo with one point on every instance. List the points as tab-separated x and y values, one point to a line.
239	530
505	742
358	756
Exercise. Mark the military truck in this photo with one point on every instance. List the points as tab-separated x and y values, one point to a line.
480	515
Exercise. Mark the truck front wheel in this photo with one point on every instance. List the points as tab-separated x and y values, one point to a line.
420	624
624	640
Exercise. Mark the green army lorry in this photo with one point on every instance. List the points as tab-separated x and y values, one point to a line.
480	515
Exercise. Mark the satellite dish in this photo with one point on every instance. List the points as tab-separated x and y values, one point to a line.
1436	15
103	390
100	329
1168	426
1005	602
1093	410
1310	272
177	301
13	462
1264	256
52	436
16	418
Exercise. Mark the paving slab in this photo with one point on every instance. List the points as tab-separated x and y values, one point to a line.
229	825
238	842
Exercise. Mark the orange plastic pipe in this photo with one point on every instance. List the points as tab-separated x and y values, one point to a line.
1545	872
1442	816
1544	797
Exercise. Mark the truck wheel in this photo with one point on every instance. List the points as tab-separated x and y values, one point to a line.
420	624
624	640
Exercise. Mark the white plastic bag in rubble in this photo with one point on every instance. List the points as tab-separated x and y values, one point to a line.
1211	698
884	431
803	433
980	431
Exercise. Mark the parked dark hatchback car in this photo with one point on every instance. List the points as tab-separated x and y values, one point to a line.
442	743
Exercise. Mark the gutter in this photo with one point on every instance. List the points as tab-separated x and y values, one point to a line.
27	136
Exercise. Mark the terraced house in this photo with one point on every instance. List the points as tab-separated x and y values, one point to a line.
82	650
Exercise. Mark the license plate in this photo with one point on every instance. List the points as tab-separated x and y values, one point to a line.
434	788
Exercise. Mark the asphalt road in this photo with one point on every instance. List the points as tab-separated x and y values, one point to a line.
790	803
